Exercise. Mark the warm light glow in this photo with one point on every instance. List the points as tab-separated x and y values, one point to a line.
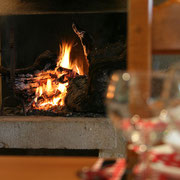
49	90
110	95
77	69
111	88
115	77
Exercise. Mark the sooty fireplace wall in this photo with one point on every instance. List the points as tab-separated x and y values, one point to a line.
25	39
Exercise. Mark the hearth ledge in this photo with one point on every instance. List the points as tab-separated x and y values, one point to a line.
35	132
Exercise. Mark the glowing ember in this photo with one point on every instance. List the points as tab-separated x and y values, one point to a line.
51	85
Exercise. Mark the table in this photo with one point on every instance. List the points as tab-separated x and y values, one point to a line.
42	168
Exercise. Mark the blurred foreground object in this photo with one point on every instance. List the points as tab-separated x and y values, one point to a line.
145	122
104	170
142	116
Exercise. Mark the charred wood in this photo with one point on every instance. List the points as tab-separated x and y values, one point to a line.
87	94
86	39
77	97
104	62
67	71
46	61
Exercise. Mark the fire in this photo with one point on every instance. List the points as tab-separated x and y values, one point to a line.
64	56
52	84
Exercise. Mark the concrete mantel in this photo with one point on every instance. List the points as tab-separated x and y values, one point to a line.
34	132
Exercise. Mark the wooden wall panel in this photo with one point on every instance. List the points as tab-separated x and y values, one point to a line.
166	28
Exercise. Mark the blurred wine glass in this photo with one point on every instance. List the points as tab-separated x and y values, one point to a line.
136	103
173	96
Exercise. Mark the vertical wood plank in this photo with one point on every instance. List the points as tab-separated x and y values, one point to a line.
140	50
139	35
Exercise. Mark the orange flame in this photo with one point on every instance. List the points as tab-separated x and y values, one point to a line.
51	92
64	56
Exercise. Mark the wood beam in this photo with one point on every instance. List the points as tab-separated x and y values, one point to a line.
140	51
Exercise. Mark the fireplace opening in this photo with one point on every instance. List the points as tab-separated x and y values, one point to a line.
60	64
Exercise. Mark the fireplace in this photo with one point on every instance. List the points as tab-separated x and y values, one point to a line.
70	70
55	70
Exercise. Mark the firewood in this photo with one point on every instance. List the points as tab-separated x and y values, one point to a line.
46	60
63	79
87	93
77	97
67	71
86	39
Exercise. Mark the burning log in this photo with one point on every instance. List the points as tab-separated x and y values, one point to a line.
102	62
71	72
87	94
26	82
47	89
46	60
63	79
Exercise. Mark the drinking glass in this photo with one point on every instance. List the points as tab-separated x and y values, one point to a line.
173	108
136	103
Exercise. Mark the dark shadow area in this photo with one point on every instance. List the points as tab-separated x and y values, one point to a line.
59	6
33	34
48	152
